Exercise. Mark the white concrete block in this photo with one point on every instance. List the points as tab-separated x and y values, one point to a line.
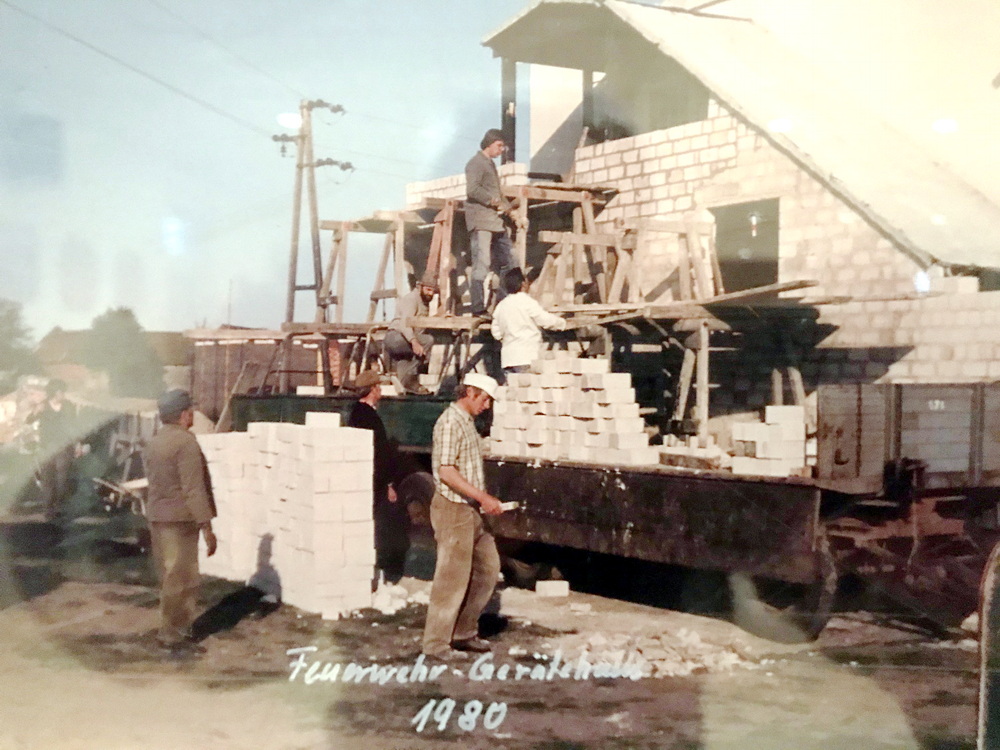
596	440
359	452
359	551
327	507
356	506
552	588
792	430
749	466
354	477
614	395
626	425
599	425
640	456
628	441
621	411
550	451
536	436
774	414
555	380
325	419
532	394
309	390
591	366
538	407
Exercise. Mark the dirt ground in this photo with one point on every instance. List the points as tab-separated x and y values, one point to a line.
79	669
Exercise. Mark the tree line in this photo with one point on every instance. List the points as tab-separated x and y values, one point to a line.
115	344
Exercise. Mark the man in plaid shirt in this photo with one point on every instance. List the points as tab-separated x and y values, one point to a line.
468	564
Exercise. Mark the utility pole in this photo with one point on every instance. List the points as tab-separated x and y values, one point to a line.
305	171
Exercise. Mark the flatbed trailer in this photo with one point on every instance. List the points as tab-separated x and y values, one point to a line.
893	501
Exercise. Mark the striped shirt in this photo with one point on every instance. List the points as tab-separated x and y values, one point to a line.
456	443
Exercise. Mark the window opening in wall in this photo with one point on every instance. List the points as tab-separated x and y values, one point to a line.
746	241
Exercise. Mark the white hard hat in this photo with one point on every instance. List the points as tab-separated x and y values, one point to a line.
483	382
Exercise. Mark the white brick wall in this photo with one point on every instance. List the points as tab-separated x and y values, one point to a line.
720	161
453	186
295	512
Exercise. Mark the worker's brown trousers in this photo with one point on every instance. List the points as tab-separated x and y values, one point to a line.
175	547
465	575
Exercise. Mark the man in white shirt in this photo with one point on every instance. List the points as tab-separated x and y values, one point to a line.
517	323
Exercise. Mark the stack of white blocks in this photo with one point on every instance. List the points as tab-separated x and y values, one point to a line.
295	512
775	447
571	409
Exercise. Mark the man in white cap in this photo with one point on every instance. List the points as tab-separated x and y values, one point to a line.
468	563
180	506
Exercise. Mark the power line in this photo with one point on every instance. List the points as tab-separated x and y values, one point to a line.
195	99
269	76
232	53
138	71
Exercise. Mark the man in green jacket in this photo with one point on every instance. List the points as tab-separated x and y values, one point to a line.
179	507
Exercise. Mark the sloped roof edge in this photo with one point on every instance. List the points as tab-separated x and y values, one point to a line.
926	209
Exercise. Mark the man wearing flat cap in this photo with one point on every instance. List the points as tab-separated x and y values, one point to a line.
485	207
407	346
180	506
392	522
468	563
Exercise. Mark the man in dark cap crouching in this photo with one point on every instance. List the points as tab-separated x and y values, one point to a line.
179	507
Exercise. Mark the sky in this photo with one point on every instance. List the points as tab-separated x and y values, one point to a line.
137	167
136	162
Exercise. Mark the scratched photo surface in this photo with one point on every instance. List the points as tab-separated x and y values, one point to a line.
794	562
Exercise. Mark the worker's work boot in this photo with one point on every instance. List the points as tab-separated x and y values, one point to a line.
412	385
472	645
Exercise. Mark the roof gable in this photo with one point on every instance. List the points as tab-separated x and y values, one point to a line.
921	204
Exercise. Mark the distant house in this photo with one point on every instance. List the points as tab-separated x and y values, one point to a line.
62	355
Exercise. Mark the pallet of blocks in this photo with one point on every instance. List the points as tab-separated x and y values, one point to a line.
571	409
294	509
775	447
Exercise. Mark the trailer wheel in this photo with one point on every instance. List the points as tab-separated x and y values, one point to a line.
780	611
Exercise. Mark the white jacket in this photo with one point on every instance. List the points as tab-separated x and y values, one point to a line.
517	321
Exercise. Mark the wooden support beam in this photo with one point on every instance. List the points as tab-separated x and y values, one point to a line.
323	288
635	266
579	265
684	268
582	238
702	388
380	292
600	255
702	273
714	258
521	238
767	290
247	372
549	193
777	387
399	262
341	274
684	385
623	256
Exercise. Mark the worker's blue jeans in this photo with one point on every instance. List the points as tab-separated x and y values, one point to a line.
489	250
